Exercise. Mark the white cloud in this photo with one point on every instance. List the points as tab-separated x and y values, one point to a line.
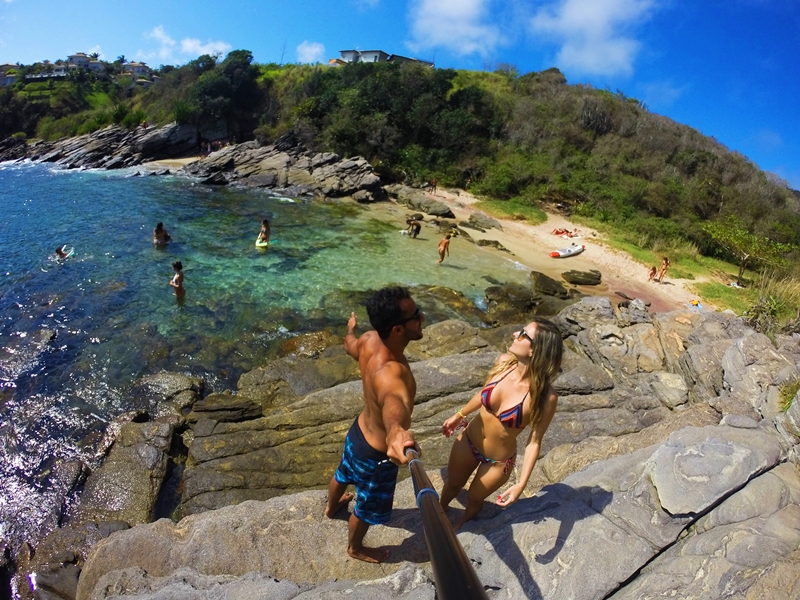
460	26
97	49
768	140
169	51
661	94
194	47
310	52
593	34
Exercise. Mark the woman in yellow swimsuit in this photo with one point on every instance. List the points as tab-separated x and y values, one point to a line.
518	393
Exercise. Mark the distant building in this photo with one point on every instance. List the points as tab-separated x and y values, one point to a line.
354	56
137	68
79	60
95	65
7	79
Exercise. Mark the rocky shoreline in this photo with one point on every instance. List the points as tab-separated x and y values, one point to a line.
669	451
669	469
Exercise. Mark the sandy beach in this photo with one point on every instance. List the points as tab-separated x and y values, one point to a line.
532	244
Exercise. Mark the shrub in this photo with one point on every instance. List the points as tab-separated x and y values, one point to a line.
787	394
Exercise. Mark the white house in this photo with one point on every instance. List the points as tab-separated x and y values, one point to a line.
95	65
79	60
363	55
372	56
138	68
6	79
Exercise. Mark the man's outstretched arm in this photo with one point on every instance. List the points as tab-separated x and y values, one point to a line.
350	340
396	406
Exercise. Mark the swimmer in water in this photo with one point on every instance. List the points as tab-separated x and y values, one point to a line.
177	280
160	235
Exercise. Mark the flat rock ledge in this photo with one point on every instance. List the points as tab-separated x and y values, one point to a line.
668	471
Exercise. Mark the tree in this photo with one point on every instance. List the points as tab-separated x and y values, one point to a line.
732	235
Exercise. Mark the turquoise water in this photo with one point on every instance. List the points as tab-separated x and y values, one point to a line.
115	317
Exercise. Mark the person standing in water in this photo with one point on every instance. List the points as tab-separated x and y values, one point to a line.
160	235
177	280
444	246
263	237
379	437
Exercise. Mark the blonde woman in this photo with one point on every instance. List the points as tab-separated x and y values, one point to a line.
518	393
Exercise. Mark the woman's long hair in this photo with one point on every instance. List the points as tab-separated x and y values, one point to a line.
545	364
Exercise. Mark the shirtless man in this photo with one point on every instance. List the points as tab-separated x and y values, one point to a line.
379	437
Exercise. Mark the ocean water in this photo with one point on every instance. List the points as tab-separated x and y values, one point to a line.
76	334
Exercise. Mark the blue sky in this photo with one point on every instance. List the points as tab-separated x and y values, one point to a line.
728	68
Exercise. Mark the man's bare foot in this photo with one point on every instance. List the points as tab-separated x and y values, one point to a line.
370	555
343	501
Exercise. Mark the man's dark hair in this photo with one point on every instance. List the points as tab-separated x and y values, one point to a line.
384	311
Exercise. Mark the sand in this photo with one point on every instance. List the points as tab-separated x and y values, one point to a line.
532	244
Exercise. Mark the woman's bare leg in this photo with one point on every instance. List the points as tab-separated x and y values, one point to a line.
460	466
487	480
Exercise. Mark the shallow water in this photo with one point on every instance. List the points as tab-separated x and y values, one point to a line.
115	317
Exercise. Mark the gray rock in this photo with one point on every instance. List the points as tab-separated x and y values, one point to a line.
697	466
585	314
542	284
592	277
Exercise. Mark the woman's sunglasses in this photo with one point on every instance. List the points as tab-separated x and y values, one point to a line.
524	334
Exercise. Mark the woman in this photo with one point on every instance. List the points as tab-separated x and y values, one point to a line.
663	270
444	246
518	393
177	280
263	237
160	235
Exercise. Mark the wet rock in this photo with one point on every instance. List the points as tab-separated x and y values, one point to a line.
510	303
126	486
494	244
418	200
225	407
548	286
591	277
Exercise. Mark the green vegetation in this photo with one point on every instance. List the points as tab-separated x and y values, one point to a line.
524	143
787	394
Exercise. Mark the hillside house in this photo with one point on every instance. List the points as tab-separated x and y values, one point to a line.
7	78
139	69
79	60
95	65
355	56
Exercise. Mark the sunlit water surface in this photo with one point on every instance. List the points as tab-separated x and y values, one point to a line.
115	317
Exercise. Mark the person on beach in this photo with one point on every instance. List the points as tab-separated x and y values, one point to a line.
434	186
652	274
160	235
414	227
378	439
177	280
663	270
263	237
444	246
518	392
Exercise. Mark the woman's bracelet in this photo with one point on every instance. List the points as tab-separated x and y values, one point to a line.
460	414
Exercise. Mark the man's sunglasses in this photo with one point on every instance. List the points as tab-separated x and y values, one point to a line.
524	334
417	314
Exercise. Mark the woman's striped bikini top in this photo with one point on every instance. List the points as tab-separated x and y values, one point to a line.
510	418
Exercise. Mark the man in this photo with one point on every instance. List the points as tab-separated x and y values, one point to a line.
378	439
414	227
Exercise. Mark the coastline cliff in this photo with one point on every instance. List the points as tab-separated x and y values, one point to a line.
669	468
